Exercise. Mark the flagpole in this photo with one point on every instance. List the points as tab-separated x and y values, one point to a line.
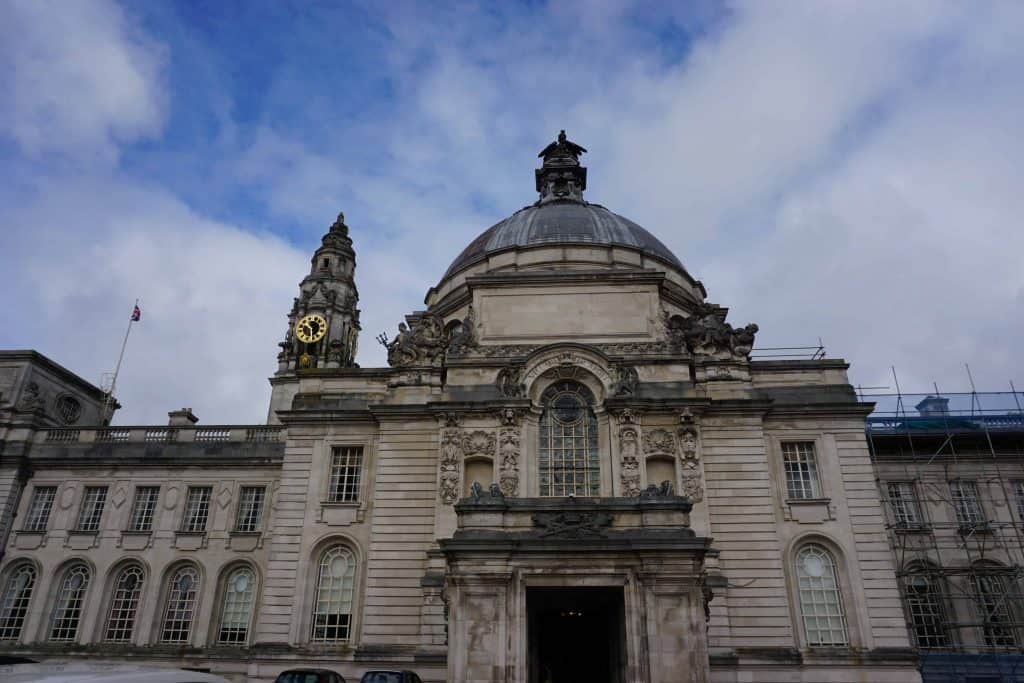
113	382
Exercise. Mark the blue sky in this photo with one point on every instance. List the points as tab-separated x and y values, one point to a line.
849	171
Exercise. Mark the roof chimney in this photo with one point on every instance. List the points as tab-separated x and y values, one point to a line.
182	418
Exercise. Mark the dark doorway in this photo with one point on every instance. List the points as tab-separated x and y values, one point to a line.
576	635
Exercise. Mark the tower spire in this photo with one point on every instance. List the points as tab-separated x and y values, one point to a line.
561	177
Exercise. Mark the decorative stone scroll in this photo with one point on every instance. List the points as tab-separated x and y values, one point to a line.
692	481
572	524
659	442
478	443
451	458
630	466
567	364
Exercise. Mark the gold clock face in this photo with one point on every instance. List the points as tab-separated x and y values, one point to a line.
311	328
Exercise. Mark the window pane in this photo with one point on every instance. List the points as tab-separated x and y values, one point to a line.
39	508
966	503
124	604
14	601
568	457
821	605
927	610
143	508
92	508
346	469
236	612
250	508
801	470
181	604
903	500
994	598
332	608
197	508
67	610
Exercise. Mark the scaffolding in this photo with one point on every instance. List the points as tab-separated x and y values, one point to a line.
950	470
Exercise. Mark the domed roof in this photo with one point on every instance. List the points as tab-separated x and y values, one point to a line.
564	221
561	216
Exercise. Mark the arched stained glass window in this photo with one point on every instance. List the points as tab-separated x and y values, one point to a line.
14	601
67	609
335	588
124	605
568	458
994	597
236	610
821	604
181	606
926	605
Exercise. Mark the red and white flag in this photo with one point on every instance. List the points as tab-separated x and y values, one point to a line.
136	314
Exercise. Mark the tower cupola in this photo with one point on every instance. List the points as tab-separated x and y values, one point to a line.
561	176
323	325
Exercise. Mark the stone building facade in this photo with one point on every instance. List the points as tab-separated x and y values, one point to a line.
571	468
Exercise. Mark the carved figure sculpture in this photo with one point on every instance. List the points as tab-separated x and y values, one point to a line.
510	384
630	473
463	337
421	345
32	400
626	381
508	477
654	491
451	458
706	333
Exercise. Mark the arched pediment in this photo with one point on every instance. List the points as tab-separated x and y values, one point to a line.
568	361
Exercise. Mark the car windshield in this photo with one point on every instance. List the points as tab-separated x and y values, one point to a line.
382	677
298	677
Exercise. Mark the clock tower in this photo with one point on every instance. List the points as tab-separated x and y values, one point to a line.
323	325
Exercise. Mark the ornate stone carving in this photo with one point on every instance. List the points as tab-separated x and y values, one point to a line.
692	481
630	471
509	417
510	383
32	399
572	524
659	441
423	345
463	337
628	416
617	349
626	381
478	443
706	333
655	491
493	495
450	464
508	477
565	365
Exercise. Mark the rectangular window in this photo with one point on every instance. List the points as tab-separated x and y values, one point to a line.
1018	492
801	470
966	502
143	508
250	508
39	508
197	508
906	512
346	469
92	508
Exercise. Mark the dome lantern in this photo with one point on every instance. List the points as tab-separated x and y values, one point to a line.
561	177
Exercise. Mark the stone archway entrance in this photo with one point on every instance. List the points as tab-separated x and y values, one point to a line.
601	590
575	634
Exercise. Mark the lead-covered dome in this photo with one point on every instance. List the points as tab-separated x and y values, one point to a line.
562	221
562	216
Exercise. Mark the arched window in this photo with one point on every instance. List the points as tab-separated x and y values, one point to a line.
236	607
821	605
926	606
67	609
568	459
335	587
124	605
994	597
181	606
14	601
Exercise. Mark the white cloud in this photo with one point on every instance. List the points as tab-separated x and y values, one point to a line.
79	78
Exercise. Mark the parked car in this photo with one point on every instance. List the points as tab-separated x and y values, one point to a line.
309	676
79	673
390	677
